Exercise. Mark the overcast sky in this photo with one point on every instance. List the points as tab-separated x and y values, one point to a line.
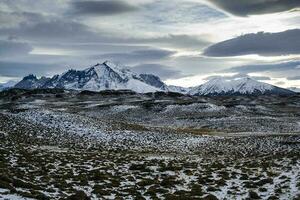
183	41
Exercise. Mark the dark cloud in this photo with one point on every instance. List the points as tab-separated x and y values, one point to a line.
12	48
292	78
164	72
255	7
284	66
266	44
16	69
61	31
10	19
136	56
104	7
91	48
57	30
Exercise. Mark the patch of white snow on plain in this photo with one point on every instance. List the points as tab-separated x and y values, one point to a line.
99	132
53	149
13	197
3	133
195	107
122	108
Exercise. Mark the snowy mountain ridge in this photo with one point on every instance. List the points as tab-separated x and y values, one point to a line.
105	76
241	86
111	76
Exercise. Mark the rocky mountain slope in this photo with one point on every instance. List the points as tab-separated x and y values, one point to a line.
7	85
31	82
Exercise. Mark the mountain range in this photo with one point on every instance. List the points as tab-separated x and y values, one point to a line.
110	76
105	76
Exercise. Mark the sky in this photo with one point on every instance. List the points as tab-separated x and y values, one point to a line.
185	42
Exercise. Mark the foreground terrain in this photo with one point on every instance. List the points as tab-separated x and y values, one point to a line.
57	144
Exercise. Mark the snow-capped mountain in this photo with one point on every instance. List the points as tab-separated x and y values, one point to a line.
154	81
106	76
110	76
295	89
31	82
236	86
7	85
178	89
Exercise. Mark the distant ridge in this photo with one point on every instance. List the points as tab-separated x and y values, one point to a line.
111	76
237	86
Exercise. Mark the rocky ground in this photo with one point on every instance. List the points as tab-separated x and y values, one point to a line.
120	145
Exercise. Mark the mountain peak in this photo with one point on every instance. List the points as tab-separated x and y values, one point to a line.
30	77
236	86
110	64
107	63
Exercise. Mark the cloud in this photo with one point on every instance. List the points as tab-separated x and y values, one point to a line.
255	7
58	30
162	12
280	83
13	19
230	77
208	78
104	7
12	48
18	69
292	78
136	56
65	31
178	41
295	89
266	44
55	31
284	66
261	78
164	72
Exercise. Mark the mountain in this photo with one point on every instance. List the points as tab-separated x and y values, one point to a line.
31	82
153	80
236	86
178	89
7	85
110	76
105	76
295	89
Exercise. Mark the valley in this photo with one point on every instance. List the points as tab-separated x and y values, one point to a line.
66	144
